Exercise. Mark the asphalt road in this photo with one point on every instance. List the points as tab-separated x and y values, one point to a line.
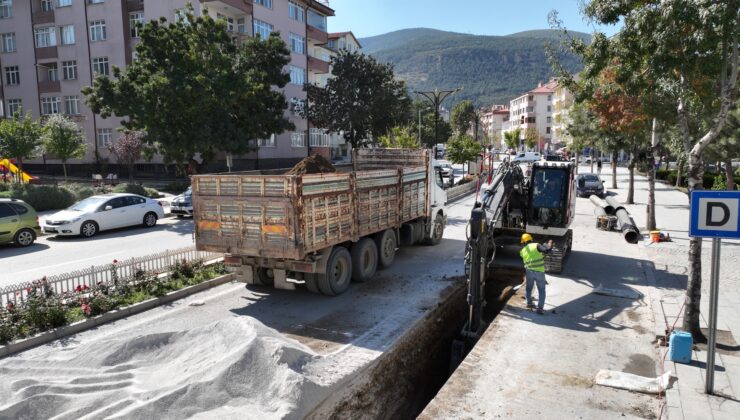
55	255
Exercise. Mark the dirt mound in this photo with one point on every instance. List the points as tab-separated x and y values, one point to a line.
315	164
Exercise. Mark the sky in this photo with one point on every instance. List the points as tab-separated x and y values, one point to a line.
479	17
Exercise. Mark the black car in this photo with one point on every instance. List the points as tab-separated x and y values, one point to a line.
588	184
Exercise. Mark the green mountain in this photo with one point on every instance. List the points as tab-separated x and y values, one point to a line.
490	69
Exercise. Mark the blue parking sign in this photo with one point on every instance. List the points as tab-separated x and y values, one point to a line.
715	214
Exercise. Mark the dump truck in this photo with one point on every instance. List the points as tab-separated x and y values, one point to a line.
321	230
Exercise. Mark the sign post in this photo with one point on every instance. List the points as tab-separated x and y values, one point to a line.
716	215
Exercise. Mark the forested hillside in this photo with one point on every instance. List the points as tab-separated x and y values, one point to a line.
490	69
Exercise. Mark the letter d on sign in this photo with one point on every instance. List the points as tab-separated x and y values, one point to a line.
713	208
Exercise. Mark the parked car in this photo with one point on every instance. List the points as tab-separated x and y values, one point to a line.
527	157
19	223
182	205
103	212
444	166
588	184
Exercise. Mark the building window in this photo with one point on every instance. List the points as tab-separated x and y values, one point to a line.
69	70
297	44
317	20
100	66
547	130
14	105
46	6
8	42
297	140
45	37
549	98
268	142
262	29
72	105
265	3
68	34
297	75
62	3
229	21
549	119
52	72
241	25
50	105
12	75
295	11
6	9
136	20
549	108
96	1
104	137
98	31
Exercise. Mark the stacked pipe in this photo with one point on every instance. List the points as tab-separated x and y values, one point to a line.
610	206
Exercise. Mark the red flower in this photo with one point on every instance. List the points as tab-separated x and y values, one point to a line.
17	292
28	290
10	306
86	309
78	288
84	287
115	261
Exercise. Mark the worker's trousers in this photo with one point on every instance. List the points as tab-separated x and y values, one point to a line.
536	277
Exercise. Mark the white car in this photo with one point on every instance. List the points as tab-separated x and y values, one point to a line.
523	157
445	167
104	212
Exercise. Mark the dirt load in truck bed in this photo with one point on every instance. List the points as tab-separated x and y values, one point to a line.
315	164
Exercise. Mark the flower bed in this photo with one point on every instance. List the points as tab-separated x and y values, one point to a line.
43	309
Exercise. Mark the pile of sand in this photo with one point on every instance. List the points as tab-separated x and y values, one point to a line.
315	164
236	368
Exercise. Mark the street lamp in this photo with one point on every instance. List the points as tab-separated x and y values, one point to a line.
436	97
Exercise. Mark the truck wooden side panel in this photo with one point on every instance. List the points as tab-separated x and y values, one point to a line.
291	216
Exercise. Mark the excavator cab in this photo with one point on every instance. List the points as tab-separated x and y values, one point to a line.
550	195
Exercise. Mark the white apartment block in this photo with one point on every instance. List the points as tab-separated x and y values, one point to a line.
493	120
50	49
534	111
561	104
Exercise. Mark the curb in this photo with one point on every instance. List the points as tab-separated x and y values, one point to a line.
108	317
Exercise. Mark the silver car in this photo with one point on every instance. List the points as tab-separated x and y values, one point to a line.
182	205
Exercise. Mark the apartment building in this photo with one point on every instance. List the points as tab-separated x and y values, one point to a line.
532	112
492	120
52	48
561	103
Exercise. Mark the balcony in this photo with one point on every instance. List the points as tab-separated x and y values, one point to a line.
297	140
41	17
43	53
245	6
134	5
317	65
50	86
316	34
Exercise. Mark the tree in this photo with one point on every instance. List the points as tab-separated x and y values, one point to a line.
727	147
362	99
128	149
399	137
63	139
581	128
511	138
462	117
444	131
689	49
531	138
463	149
20	138
195	91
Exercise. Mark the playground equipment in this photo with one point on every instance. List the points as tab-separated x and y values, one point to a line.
12	169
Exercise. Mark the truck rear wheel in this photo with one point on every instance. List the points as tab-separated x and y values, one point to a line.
364	260
264	276
386	243
338	272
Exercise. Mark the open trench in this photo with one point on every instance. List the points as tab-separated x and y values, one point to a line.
408	376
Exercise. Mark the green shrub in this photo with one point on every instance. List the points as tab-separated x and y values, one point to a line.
81	191
719	183
4	187
662	174
177	187
152	193
45	197
130	188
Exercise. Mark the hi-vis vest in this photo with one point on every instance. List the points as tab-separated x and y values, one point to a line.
533	259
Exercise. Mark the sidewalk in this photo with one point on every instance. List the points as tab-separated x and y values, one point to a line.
687	399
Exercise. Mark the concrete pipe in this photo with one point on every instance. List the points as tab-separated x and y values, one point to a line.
600	203
615	204
627	226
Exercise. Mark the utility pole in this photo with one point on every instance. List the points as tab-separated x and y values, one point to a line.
436	97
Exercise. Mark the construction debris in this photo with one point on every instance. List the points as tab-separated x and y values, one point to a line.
315	164
630	382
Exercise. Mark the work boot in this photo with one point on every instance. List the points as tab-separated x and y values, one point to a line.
540	311
531	306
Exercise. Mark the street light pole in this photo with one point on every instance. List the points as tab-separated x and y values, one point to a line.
436	97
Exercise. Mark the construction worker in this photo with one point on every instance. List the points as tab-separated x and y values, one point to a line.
534	265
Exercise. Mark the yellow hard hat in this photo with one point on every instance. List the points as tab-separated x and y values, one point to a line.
526	238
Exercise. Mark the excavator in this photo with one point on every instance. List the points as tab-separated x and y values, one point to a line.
540	201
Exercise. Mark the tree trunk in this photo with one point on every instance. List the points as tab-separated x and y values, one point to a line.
729	174
64	168
654	141
631	188
576	156
679	173
692	311
19	171
614	169
592	158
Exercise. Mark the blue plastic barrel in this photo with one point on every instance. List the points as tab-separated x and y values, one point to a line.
679	346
